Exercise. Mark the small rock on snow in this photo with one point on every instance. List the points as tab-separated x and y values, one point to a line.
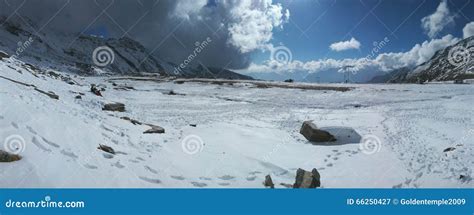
107	149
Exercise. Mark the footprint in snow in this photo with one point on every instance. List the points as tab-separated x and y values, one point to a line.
35	141
31	130
107	155
256	172
151	170
251	178
88	166
205	178
198	184
180	178
118	165
15	125
50	143
150	180
226	177
69	154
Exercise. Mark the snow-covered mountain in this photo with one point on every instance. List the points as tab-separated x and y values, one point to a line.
75	53
452	63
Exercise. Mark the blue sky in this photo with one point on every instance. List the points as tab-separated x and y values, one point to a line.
315	24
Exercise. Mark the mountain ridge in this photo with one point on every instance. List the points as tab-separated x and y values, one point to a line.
75	53
455	62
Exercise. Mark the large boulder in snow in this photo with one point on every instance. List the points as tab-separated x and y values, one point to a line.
305	179
311	132
8	157
114	107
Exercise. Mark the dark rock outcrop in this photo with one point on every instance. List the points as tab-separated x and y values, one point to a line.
114	107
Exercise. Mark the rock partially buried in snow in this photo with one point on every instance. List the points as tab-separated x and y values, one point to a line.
95	90
268	182
449	149
154	130
3	55
133	121
305	179
311	132
8	157
114	107
107	149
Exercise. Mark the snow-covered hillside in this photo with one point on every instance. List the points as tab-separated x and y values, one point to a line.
229	135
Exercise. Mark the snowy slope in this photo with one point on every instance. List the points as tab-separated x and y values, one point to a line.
241	133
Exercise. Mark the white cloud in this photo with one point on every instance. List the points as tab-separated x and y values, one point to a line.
436	22
184	9
383	62
252	22
468	30
419	54
249	23
345	45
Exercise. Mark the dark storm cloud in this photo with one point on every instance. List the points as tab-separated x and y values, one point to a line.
170	28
